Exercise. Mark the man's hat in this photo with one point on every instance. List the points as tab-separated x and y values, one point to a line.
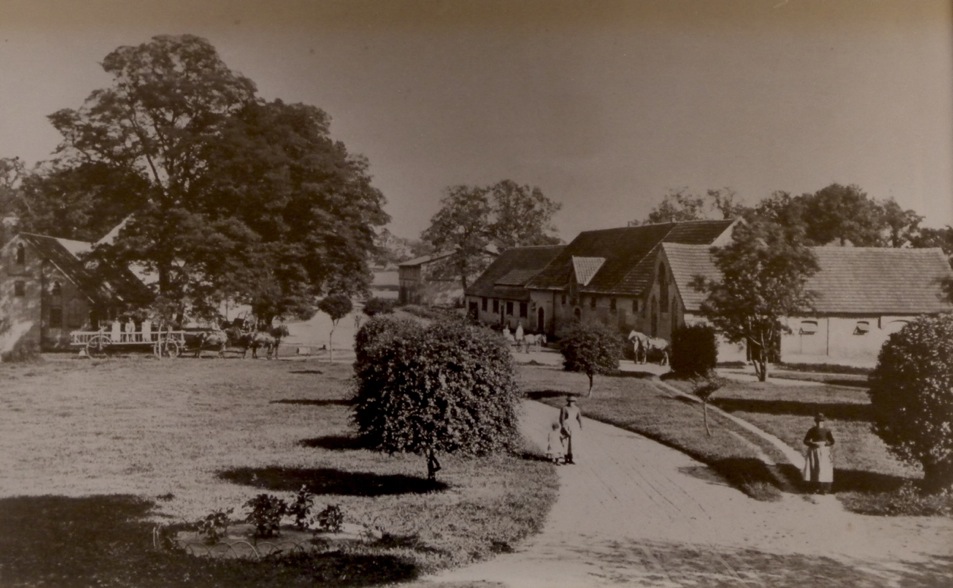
819	417
570	399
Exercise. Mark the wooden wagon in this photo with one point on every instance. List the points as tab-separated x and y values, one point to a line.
162	342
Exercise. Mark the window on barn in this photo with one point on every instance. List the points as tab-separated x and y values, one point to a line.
56	289
663	287
21	254
612	306
523	310
509	308
635	305
563	300
484	304
74	315
862	328
19	288
808	327
496	305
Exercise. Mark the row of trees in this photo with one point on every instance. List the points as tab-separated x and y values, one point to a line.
226	196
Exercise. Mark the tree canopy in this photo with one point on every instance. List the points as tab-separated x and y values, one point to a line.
472	218
764	270
684	205
231	197
591	348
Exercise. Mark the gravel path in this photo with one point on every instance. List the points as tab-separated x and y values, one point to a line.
635	513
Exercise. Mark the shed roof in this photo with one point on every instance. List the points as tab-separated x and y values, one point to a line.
507	275
850	280
627	252
101	284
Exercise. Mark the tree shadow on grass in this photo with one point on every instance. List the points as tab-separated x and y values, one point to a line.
834	411
862	481
306	371
544	394
334	443
331	481
107	541
314	401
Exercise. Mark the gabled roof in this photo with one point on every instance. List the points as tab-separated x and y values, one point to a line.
851	280
100	285
585	268
507	275
628	254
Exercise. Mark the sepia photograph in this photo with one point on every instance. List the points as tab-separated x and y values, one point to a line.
476	293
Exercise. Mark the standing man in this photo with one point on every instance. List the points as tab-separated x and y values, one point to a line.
818	465
570	419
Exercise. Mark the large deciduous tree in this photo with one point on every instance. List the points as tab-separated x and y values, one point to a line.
763	274
471	218
683	205
234	198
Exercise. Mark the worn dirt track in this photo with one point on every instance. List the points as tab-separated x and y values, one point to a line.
632	512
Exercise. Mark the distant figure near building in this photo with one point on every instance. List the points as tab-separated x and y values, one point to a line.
818	466
570	418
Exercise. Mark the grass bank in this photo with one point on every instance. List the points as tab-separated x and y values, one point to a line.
638	405
96	454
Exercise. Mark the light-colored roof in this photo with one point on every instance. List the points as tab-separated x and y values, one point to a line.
850	280
585	268
75	247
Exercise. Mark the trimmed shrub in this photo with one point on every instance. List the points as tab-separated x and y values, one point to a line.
911	393
591	348
694	350
375	306
445	387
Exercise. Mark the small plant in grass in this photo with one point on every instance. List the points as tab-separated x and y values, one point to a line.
704	387
265	515
214	525
330	519
300	507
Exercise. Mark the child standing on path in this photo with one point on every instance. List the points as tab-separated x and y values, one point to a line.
554	444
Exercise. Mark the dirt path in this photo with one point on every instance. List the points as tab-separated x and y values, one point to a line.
635	513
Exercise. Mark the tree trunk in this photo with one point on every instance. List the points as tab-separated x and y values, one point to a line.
761	368
589	393
331	342
433	465
705	412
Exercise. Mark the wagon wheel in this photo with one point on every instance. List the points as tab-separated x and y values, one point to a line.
97	346
166	348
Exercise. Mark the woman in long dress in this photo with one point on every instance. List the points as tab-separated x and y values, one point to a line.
570	419
818	465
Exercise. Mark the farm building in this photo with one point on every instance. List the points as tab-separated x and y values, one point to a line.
46	290
861	296
419	283
608	276
385	283
499	296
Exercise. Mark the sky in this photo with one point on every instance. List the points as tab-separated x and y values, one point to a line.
604	105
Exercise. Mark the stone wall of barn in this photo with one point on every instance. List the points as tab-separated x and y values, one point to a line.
849	339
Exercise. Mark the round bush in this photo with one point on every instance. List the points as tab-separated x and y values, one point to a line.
375	306
447	387
911	392
591	348
694	350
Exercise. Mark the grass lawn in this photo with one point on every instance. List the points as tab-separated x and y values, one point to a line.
637	405
96	454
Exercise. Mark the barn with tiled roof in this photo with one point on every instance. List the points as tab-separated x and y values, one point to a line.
47	289
499	295
607	276
861	296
